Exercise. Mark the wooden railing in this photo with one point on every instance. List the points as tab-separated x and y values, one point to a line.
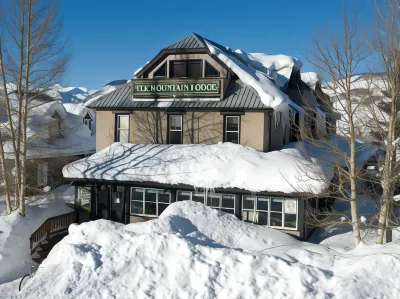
50	226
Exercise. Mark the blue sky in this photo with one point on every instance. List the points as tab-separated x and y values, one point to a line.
109	40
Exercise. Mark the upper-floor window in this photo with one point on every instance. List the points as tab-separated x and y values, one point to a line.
231	129
161	72
122	128
186	69
211	71
175	129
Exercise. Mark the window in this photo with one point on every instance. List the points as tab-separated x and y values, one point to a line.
42	174
186	69
149	202
122	128
232	129
223	202
294	127
273	212
55	127
83	197
88	122
161	72
211	71
175	129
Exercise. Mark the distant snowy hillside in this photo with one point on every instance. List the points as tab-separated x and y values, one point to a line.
69	94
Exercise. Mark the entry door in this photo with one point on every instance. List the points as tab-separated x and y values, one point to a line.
103	202
117	203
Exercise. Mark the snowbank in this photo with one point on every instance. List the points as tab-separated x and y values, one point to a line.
192	251
224	165
15	230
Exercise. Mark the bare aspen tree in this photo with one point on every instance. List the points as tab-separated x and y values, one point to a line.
31	60
338	58
386	45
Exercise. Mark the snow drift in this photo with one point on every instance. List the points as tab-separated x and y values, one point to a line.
192	251
224	165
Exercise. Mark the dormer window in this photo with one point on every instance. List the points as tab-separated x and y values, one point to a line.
161	72
55	127
186	69
211	71
87	120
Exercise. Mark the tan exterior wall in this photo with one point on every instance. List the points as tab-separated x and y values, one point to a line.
202	127
198	127
252	130
105	126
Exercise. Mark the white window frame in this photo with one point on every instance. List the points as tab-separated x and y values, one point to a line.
226	127
220	207
255	210
144	201
169	127
118	137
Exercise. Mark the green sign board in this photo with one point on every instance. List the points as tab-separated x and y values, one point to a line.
178	88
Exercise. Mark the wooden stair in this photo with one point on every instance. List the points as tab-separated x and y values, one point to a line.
52	231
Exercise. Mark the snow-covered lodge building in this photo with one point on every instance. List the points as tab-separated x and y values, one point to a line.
204	123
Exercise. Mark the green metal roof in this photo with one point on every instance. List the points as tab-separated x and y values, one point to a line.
191	41
238	96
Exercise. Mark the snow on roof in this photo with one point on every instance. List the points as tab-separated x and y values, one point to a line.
262	82
224	165
310	78
77	138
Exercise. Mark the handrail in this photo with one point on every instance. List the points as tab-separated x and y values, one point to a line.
51	225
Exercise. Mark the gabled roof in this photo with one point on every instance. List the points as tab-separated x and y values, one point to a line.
191	41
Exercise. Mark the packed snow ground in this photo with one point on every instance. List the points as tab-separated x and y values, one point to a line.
193	251
15	230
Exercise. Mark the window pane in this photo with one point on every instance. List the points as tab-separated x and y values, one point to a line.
290	220
178	69
150	195
262	218
211	71
183	195
194	69
232	123
199	197
137	207
229	211
123	122
175	122
276	205
161	72
137	194
213	200
228	201
83	199
248	202
276	219
150	208
123	136
232	137
163	196
262	204
175	137
161	208
248	216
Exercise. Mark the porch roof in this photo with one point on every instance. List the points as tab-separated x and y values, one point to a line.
225	166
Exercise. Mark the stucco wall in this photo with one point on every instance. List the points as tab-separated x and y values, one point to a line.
202	127
252	130
105	126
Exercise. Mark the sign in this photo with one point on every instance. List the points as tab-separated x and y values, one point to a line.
169	88
290	206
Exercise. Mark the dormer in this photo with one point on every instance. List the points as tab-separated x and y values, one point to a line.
54	127
87	120
187	61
